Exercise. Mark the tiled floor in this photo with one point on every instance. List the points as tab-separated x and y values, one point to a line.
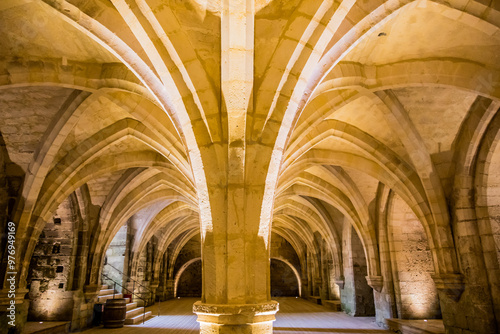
296	316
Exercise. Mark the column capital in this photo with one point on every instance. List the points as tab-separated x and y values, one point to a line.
91	291
451	285
376	282
222	318
340	281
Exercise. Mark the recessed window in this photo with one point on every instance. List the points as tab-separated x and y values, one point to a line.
61	285
59	269
57	221
56	249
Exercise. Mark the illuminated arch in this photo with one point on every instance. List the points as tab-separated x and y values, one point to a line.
181	270
295	271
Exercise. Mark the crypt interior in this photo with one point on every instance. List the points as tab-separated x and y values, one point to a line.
242	152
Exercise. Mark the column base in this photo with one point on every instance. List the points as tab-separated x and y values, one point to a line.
244	319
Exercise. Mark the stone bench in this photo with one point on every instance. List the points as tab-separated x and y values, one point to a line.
430	326
46	327
332	304
315	299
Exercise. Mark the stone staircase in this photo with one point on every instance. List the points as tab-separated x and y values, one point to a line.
134	315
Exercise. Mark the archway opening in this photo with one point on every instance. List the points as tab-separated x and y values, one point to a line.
189	280
284	282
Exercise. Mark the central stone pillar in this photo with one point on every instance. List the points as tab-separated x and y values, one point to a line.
235	229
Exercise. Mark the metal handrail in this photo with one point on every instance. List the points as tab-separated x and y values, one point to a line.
142	286
130	278
133	293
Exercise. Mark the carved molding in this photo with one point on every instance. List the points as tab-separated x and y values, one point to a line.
91	291
376	282
451	285
200	307
340	281
241	314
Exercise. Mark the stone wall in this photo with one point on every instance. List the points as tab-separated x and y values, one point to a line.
416	294
51	269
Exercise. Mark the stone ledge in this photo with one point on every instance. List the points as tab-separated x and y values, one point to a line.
452	285
375	282
314	299
334	305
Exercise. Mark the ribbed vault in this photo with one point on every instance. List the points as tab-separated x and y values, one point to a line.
238	119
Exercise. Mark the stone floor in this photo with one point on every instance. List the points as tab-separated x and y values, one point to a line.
296	316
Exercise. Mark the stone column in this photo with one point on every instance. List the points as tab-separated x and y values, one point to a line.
153	287
236	267
235	219
310	280
13	314
305	287
324	290
169	289
385	299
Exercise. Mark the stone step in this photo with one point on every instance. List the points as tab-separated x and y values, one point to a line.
131	305
138	318
106	292
103	298
127	300
133	312
104	287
